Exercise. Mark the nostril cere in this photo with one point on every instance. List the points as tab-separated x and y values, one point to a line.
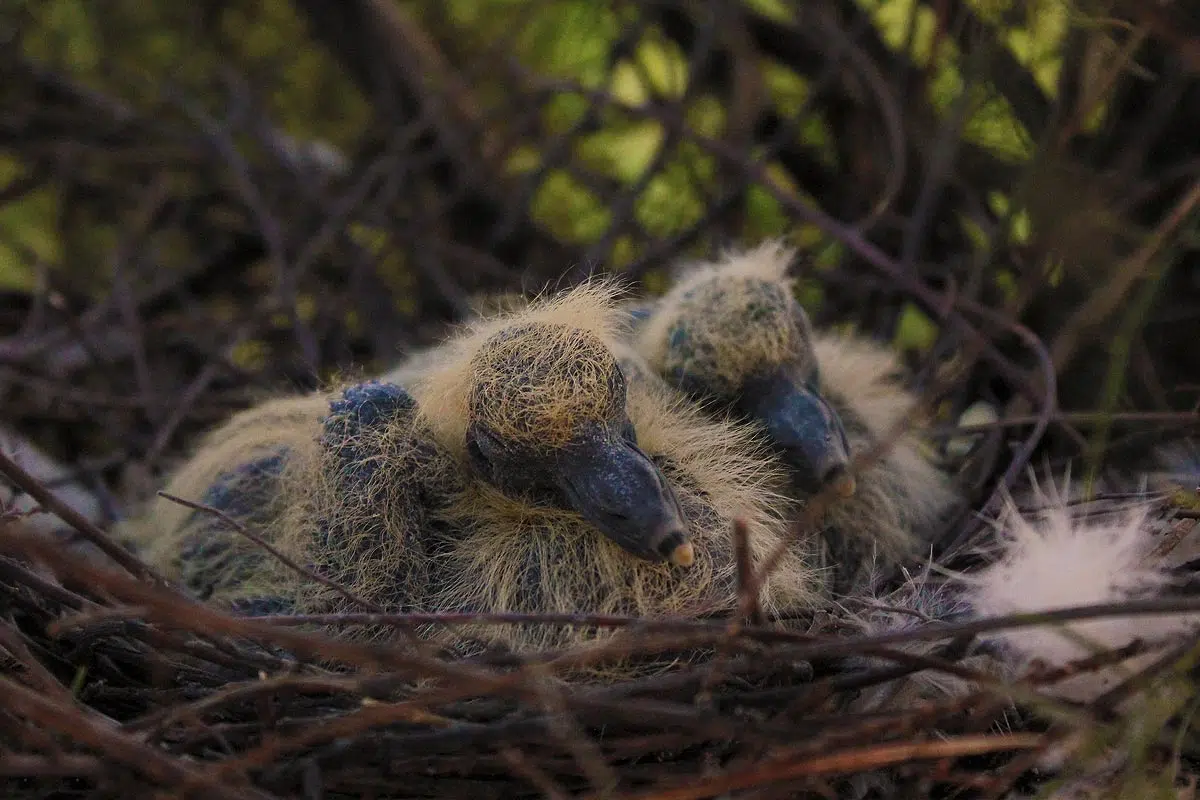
669	542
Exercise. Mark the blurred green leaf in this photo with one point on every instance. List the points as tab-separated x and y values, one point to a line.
658	68
28	228
568	209
624	153
765	216
915	330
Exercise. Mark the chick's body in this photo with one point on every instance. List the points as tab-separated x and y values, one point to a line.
730	333
461	490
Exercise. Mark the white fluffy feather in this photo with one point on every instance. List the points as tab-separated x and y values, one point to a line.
1056	561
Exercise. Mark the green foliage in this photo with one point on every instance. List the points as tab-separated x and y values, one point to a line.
675	198
137	51
66	33
765	216
623	152
569	209
145	55
915	330
570	39
1035	44
623	148
1018	222
310	97
775	9
250	355
904	22
28	233
658	68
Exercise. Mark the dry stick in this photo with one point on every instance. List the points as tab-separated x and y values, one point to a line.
1100	86
148	208
76	329
10	638
745	572
378	715
49	501
63	391
346	727
72	722
173	609
910	663
747	593
938	166
1072	417
360	721
189	397
916	722
1169	24
1101	304
531	772
164	718
258	540
213	622
888	107
286	291
560	721
1169	660
63	765
466	681
1049	407
847	761
12	572
709	632
1061	731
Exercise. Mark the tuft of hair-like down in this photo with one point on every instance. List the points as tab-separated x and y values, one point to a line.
903	496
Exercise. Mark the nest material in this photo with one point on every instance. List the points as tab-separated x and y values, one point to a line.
213	703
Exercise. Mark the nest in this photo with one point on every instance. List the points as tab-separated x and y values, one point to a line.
118	685
432	155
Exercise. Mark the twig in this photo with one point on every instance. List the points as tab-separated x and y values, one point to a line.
18	765
124	749
747	593
34	488
847	761
1101	304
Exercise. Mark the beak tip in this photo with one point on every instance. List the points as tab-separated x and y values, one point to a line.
683	556
845	486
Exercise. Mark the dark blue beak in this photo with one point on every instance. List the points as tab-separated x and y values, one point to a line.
616	487
804	428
